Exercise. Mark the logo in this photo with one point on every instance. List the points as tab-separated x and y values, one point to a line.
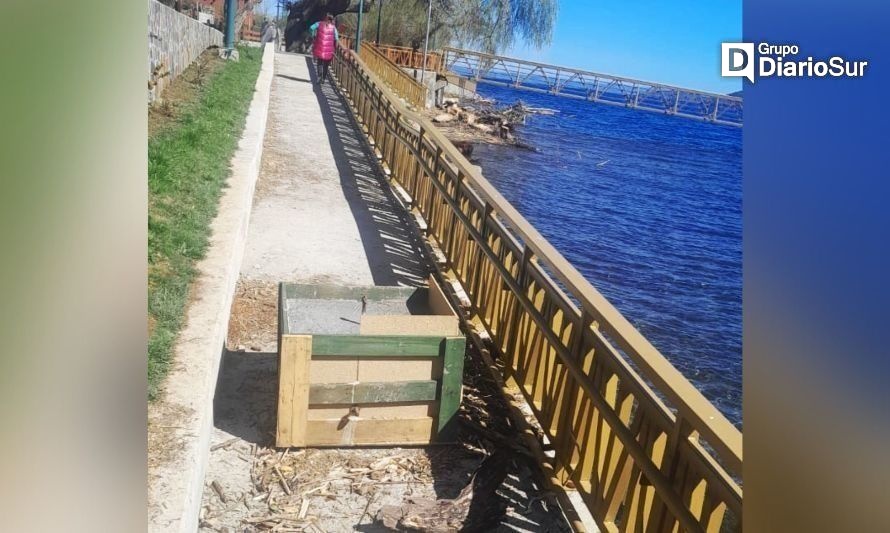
738	60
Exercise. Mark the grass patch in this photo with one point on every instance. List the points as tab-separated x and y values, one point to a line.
182	93
188	164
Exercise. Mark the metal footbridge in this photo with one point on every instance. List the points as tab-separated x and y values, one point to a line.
593	86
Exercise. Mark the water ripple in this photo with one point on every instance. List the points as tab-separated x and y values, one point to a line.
648	208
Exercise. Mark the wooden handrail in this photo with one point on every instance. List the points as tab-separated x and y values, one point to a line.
391	74
411	58
625	424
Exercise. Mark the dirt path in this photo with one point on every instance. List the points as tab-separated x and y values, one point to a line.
322	214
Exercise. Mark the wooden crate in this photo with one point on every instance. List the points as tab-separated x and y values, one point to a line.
367	365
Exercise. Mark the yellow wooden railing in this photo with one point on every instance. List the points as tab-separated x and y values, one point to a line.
398	80
402	55
643	447
411	58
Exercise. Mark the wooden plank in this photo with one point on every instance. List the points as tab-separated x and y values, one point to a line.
436	252
336	292
374	392
403	195
419	220
436	324
452	381
333	370
377	345
438	302
374	411
293	390
461	294
357	431
399	369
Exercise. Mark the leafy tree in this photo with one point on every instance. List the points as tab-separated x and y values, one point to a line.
494	25
488	25
303	13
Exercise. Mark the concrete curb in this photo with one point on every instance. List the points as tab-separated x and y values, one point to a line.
175	487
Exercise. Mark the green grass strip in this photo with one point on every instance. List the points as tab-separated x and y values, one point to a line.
188	165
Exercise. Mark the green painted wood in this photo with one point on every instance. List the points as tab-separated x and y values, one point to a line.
373	392
452	381
377	345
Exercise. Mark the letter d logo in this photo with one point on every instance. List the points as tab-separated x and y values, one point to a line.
737	60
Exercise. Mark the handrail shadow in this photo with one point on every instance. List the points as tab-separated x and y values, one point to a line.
392	248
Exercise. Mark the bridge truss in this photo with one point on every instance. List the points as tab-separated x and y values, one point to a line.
594	86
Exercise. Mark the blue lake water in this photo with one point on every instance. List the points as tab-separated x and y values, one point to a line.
648	208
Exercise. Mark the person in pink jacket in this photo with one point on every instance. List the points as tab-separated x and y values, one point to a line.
325	37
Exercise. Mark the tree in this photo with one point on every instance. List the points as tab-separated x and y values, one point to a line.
303	13
494	25
488	25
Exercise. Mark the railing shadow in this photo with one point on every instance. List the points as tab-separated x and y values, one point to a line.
393	250
294	78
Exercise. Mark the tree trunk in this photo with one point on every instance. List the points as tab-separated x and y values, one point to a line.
307	12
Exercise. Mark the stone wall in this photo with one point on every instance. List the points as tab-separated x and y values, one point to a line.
174	41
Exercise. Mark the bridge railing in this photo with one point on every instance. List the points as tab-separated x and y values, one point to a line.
595	86
644	448
400	81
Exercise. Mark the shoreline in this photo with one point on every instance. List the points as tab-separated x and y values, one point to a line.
461	132
465	121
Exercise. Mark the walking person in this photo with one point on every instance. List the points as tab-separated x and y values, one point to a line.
269	33
325	37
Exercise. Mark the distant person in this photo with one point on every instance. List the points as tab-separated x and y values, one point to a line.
269	33
325	37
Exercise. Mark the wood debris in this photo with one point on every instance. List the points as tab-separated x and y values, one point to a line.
444	515
225	444
281	478
435	488
482	120
217	488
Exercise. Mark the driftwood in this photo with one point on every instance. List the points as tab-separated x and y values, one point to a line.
488	119
474	509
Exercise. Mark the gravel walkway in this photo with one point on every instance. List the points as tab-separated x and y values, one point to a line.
322	214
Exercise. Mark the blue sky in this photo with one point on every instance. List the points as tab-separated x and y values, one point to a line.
675	42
